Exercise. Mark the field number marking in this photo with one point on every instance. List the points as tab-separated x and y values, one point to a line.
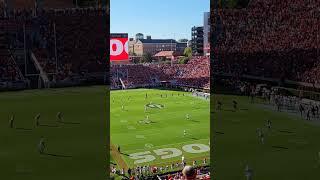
166	153
142	157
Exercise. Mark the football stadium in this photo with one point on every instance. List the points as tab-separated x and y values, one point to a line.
160	119
266	101
53	90
160	91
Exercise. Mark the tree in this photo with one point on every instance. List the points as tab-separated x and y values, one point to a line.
146	58
183	40
187	52
183	60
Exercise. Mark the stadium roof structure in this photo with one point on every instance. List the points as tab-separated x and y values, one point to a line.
158	41
167	54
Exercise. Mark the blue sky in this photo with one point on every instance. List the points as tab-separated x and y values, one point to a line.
158	18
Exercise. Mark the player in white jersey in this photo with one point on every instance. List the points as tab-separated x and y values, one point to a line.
184	132
41	146
258	132
187	116
37	119
248	173
122	107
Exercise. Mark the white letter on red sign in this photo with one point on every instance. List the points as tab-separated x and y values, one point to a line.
119	47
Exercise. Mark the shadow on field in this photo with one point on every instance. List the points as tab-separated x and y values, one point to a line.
48	125
194	120
69	122
280	147
124	154
285	131
229	110
218	132
57	155
24	129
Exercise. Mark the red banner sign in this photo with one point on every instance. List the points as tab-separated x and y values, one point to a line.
119	47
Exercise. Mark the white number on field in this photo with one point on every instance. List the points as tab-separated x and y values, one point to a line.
166	153
196	148
142	157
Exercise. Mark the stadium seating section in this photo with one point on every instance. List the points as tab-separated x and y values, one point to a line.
270	39
193	74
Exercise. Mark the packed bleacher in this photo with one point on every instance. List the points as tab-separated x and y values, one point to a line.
269	38
195	74
172	171
80	38
67	43
10	75
8	68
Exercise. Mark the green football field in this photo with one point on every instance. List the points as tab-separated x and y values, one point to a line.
290	151
155	136
76	148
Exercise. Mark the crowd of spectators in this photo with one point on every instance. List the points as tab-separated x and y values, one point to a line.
80	37
66	42
8	69
269	38
196	73
174	171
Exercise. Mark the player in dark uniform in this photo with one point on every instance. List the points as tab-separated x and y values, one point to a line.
59	117
252	96
278	104
313	111
308	115
235	105
11	121
219	107
269	124
301	109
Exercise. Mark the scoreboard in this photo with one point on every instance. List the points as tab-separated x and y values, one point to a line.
119	47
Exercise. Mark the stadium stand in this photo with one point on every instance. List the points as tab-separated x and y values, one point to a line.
162	173
270	39
194	74
65	46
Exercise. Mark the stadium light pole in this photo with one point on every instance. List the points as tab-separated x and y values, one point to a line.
24	47
55	46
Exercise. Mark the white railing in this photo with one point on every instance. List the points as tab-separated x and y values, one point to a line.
42	74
